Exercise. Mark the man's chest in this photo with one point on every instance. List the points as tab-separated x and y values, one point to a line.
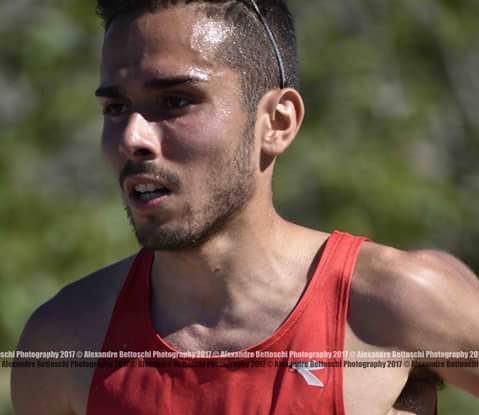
372	390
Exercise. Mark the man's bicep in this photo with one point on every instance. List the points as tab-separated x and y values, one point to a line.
445	300
36	390
449	264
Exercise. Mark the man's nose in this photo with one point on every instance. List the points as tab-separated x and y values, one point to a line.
140	140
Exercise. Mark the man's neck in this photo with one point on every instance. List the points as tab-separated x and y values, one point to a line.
231	259
256	262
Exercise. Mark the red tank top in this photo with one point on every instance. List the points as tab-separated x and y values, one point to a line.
300	379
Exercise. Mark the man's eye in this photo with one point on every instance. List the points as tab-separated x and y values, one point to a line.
115	109
174	102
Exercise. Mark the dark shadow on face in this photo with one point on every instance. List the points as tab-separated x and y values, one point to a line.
231	185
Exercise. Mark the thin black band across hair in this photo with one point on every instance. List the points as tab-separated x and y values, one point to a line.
282	77
273	42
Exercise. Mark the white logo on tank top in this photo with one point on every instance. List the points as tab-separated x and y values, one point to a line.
305	369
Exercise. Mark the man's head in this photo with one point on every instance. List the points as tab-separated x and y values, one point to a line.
248	49
186	129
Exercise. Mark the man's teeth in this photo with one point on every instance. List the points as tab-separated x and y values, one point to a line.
150	191
144	188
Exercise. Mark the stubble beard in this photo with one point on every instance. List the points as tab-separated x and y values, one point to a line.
232	186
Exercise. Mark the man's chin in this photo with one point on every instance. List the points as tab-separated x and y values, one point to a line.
160	238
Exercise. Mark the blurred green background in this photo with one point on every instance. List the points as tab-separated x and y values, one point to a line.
389	148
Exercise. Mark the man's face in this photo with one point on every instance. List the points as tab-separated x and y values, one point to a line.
174	130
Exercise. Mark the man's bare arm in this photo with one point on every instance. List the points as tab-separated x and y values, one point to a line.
446	305
75	319
40	391
423	300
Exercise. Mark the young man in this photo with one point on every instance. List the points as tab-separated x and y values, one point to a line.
199	100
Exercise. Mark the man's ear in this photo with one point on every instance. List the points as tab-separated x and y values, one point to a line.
280	115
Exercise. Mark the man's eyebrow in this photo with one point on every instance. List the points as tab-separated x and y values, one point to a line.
161	83
108	92
155	83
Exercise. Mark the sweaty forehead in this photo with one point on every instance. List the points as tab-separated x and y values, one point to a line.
168	40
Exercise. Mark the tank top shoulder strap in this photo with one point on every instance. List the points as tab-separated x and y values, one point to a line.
130	305
341	265
138	276
343	252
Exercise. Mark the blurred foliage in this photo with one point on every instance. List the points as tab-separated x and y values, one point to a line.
389	148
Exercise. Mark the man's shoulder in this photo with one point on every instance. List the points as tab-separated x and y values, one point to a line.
390	274
74	319
81	306
398	298
95	288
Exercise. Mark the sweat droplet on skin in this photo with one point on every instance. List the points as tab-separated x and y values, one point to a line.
199	74
207	35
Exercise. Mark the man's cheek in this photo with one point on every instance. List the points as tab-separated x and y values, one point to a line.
200	136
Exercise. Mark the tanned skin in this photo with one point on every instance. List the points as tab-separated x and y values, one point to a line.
255	263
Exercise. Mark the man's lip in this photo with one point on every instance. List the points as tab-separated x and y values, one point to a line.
139	206
132	181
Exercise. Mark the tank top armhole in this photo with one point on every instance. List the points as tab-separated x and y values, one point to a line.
137	269
142	260
347	253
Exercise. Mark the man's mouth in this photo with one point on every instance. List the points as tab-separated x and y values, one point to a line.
148	192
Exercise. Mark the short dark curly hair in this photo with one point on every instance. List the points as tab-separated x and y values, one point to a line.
249	51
